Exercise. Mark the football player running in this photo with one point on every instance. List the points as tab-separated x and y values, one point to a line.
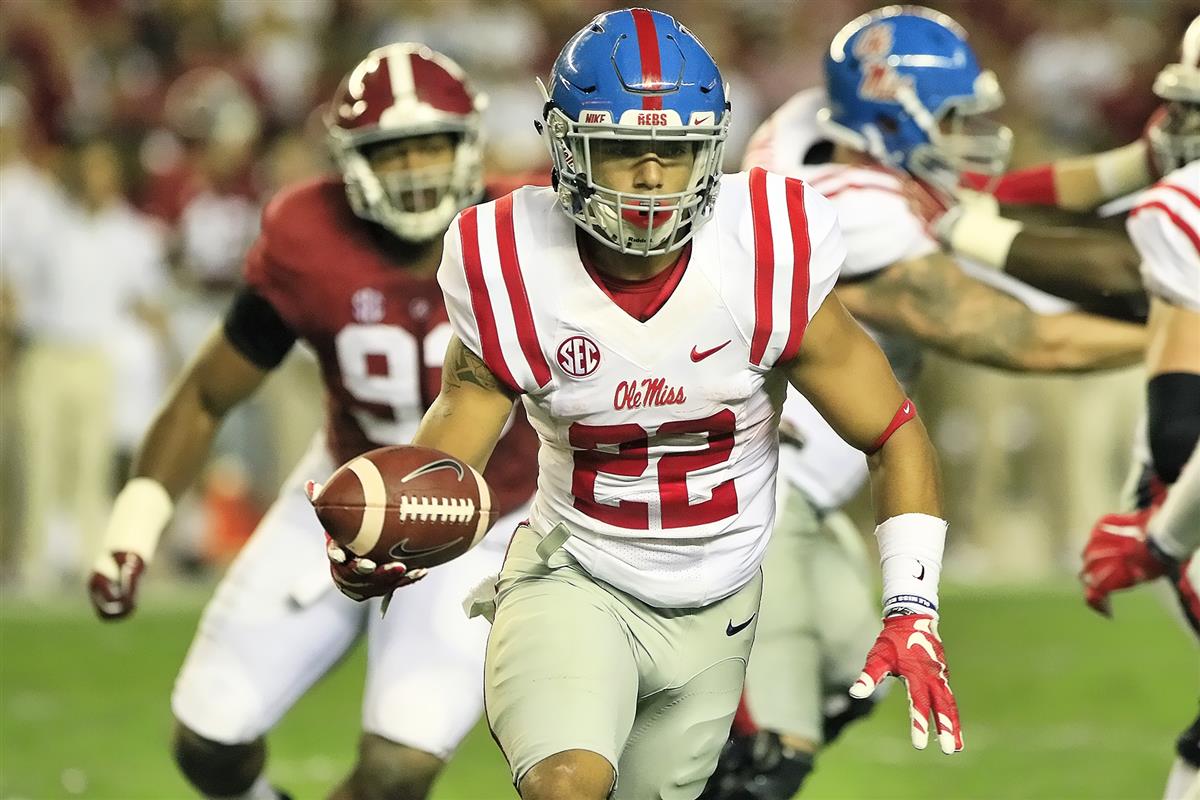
879	153
1162	536
649	312
348	267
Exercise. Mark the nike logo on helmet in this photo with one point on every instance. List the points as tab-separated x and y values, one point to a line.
698	355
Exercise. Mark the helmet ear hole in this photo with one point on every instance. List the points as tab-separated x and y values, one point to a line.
887	124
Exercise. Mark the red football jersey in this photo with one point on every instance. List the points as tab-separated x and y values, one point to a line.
378	331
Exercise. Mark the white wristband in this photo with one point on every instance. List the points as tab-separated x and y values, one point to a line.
1122	170
910	555
984	237
140	514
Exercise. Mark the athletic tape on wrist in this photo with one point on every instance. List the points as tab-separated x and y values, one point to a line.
910	556
1123	170
984	237
140	514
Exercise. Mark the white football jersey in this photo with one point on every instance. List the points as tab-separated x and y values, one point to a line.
1165	228
884	219
658	438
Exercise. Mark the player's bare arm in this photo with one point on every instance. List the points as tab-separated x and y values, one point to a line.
847	378
1097	269
841	370
170	457
469	415
217	380
935	302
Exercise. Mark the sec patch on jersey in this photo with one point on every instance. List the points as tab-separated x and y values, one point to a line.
403	503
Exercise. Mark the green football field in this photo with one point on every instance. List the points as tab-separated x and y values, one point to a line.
1056	704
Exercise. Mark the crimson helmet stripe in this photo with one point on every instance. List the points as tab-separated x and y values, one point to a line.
801	253
1179	221
437	87
647	37
1194	199
510	267
489	337
764	265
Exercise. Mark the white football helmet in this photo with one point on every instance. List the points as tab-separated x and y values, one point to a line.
1174	131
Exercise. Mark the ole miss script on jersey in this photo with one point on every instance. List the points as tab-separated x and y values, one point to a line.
379	332
658	437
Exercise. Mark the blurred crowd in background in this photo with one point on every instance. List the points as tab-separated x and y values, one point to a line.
139	140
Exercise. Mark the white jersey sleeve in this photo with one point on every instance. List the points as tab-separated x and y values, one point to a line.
784	139
792	235
486	297
1165	228
878	220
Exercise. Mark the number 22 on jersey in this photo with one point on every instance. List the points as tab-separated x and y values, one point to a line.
623	451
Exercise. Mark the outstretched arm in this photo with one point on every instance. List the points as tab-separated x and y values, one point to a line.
842	372
170	457
932	300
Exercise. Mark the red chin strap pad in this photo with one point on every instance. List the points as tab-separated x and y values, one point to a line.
907	411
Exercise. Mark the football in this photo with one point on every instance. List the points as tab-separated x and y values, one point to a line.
403	503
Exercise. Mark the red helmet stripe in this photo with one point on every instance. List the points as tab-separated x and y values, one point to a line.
647	37
438	88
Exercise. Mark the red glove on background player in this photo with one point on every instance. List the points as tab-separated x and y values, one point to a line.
909	648
361	578
1117	556
114	592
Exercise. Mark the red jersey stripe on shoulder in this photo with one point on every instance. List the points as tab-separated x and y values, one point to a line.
764	265
801	256
861	187
1195	200
1179	221
510	268
647	37
485	318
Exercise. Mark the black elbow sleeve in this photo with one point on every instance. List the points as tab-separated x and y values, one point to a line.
1173	408
257	330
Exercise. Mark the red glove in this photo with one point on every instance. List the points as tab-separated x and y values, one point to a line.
1117	556
909	648
114	595
362	578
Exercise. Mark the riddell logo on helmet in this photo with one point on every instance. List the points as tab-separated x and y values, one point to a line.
578	356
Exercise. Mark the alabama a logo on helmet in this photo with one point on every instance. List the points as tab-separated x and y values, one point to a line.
879	80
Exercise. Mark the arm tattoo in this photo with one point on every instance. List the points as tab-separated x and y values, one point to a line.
935	302
464	367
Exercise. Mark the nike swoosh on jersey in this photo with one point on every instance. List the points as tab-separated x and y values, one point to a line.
700	355
731	629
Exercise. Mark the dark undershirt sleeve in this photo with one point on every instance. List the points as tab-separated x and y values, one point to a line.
257	330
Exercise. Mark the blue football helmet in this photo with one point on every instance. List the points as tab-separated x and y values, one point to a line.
905	87
635	75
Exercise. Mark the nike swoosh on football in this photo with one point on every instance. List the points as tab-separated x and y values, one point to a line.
732	629
399	551
698	355
434	466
